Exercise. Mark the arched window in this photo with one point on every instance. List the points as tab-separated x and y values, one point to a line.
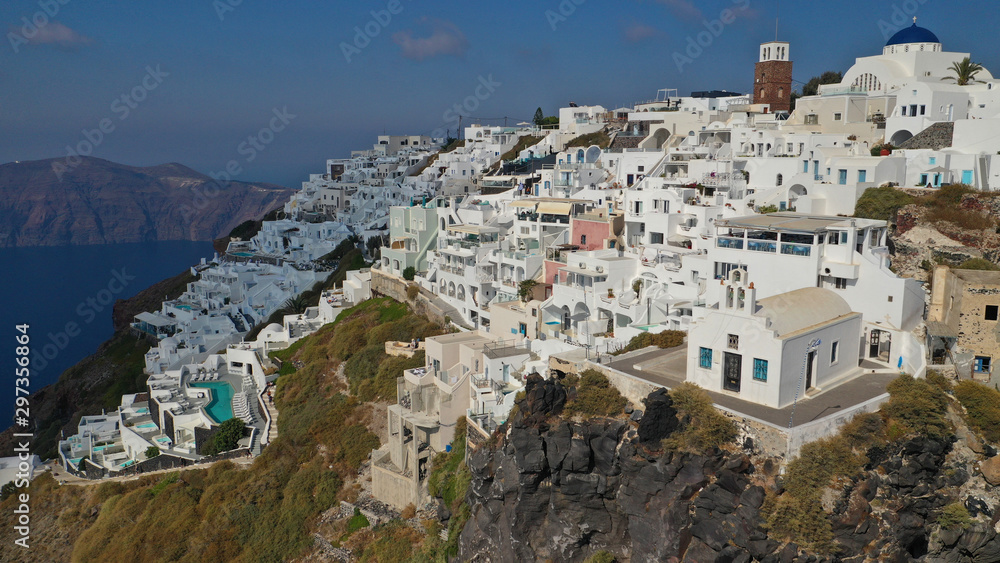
781	93
762	92
779	180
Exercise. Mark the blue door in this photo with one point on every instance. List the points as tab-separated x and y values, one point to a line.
843	177
967	177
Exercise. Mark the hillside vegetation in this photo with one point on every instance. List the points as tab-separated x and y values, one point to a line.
265	512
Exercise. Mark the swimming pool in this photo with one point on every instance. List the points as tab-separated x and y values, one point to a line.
242	254
220	408
146	425
143	410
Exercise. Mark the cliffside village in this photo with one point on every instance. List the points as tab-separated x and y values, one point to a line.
727	216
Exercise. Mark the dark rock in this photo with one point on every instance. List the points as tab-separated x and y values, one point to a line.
977	506
659	419
712	533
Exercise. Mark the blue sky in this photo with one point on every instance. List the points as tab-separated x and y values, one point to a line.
222	67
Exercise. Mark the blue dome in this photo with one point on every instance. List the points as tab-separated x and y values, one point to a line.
912	34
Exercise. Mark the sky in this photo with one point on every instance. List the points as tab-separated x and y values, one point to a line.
280	86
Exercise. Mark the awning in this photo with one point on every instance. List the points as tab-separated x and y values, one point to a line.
941	330
553	208
155	319
523	203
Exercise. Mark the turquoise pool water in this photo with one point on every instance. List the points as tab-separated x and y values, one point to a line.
220	408
244	254
101	448
143	410
184	307
146	425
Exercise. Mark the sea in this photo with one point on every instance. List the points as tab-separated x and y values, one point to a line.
64	294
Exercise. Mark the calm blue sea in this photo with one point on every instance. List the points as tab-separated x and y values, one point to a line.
65	295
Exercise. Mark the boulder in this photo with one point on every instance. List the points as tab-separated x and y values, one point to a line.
991	470
659	419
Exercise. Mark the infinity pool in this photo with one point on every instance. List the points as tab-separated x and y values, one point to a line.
220	408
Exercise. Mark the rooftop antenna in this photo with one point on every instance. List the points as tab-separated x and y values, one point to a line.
777	13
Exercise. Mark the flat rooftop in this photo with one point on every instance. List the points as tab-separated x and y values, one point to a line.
797	222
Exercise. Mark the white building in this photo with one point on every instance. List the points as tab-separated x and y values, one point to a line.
775	350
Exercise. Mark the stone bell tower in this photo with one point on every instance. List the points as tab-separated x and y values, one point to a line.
772	82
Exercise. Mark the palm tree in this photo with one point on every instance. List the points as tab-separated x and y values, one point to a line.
295	305
965	72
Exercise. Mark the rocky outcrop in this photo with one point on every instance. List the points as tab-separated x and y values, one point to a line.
101	202
935	137
562	490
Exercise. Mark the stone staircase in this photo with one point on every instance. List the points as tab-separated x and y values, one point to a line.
272	411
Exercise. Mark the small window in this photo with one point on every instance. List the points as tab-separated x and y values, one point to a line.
759	370
982	364
734	342
534	312
841	283
642	169
890	299
656	238
583	239
991	312
705	358
834	353
837	116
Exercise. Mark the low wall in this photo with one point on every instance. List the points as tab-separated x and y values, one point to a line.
800	435
394	489
769	439
631	387
390	286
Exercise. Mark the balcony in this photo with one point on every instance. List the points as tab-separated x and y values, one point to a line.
762	246
796	249
726	242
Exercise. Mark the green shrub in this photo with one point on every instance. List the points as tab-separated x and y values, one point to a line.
226	438
916	407
357	522
941	382
665	339
704	425
599	138
152	451
595	396
955	515
409	273
978	264
881	203
982	405
765	209
601	557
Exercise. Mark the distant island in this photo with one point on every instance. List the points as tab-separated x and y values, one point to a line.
103	202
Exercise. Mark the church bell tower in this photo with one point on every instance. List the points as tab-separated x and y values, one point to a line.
772	82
